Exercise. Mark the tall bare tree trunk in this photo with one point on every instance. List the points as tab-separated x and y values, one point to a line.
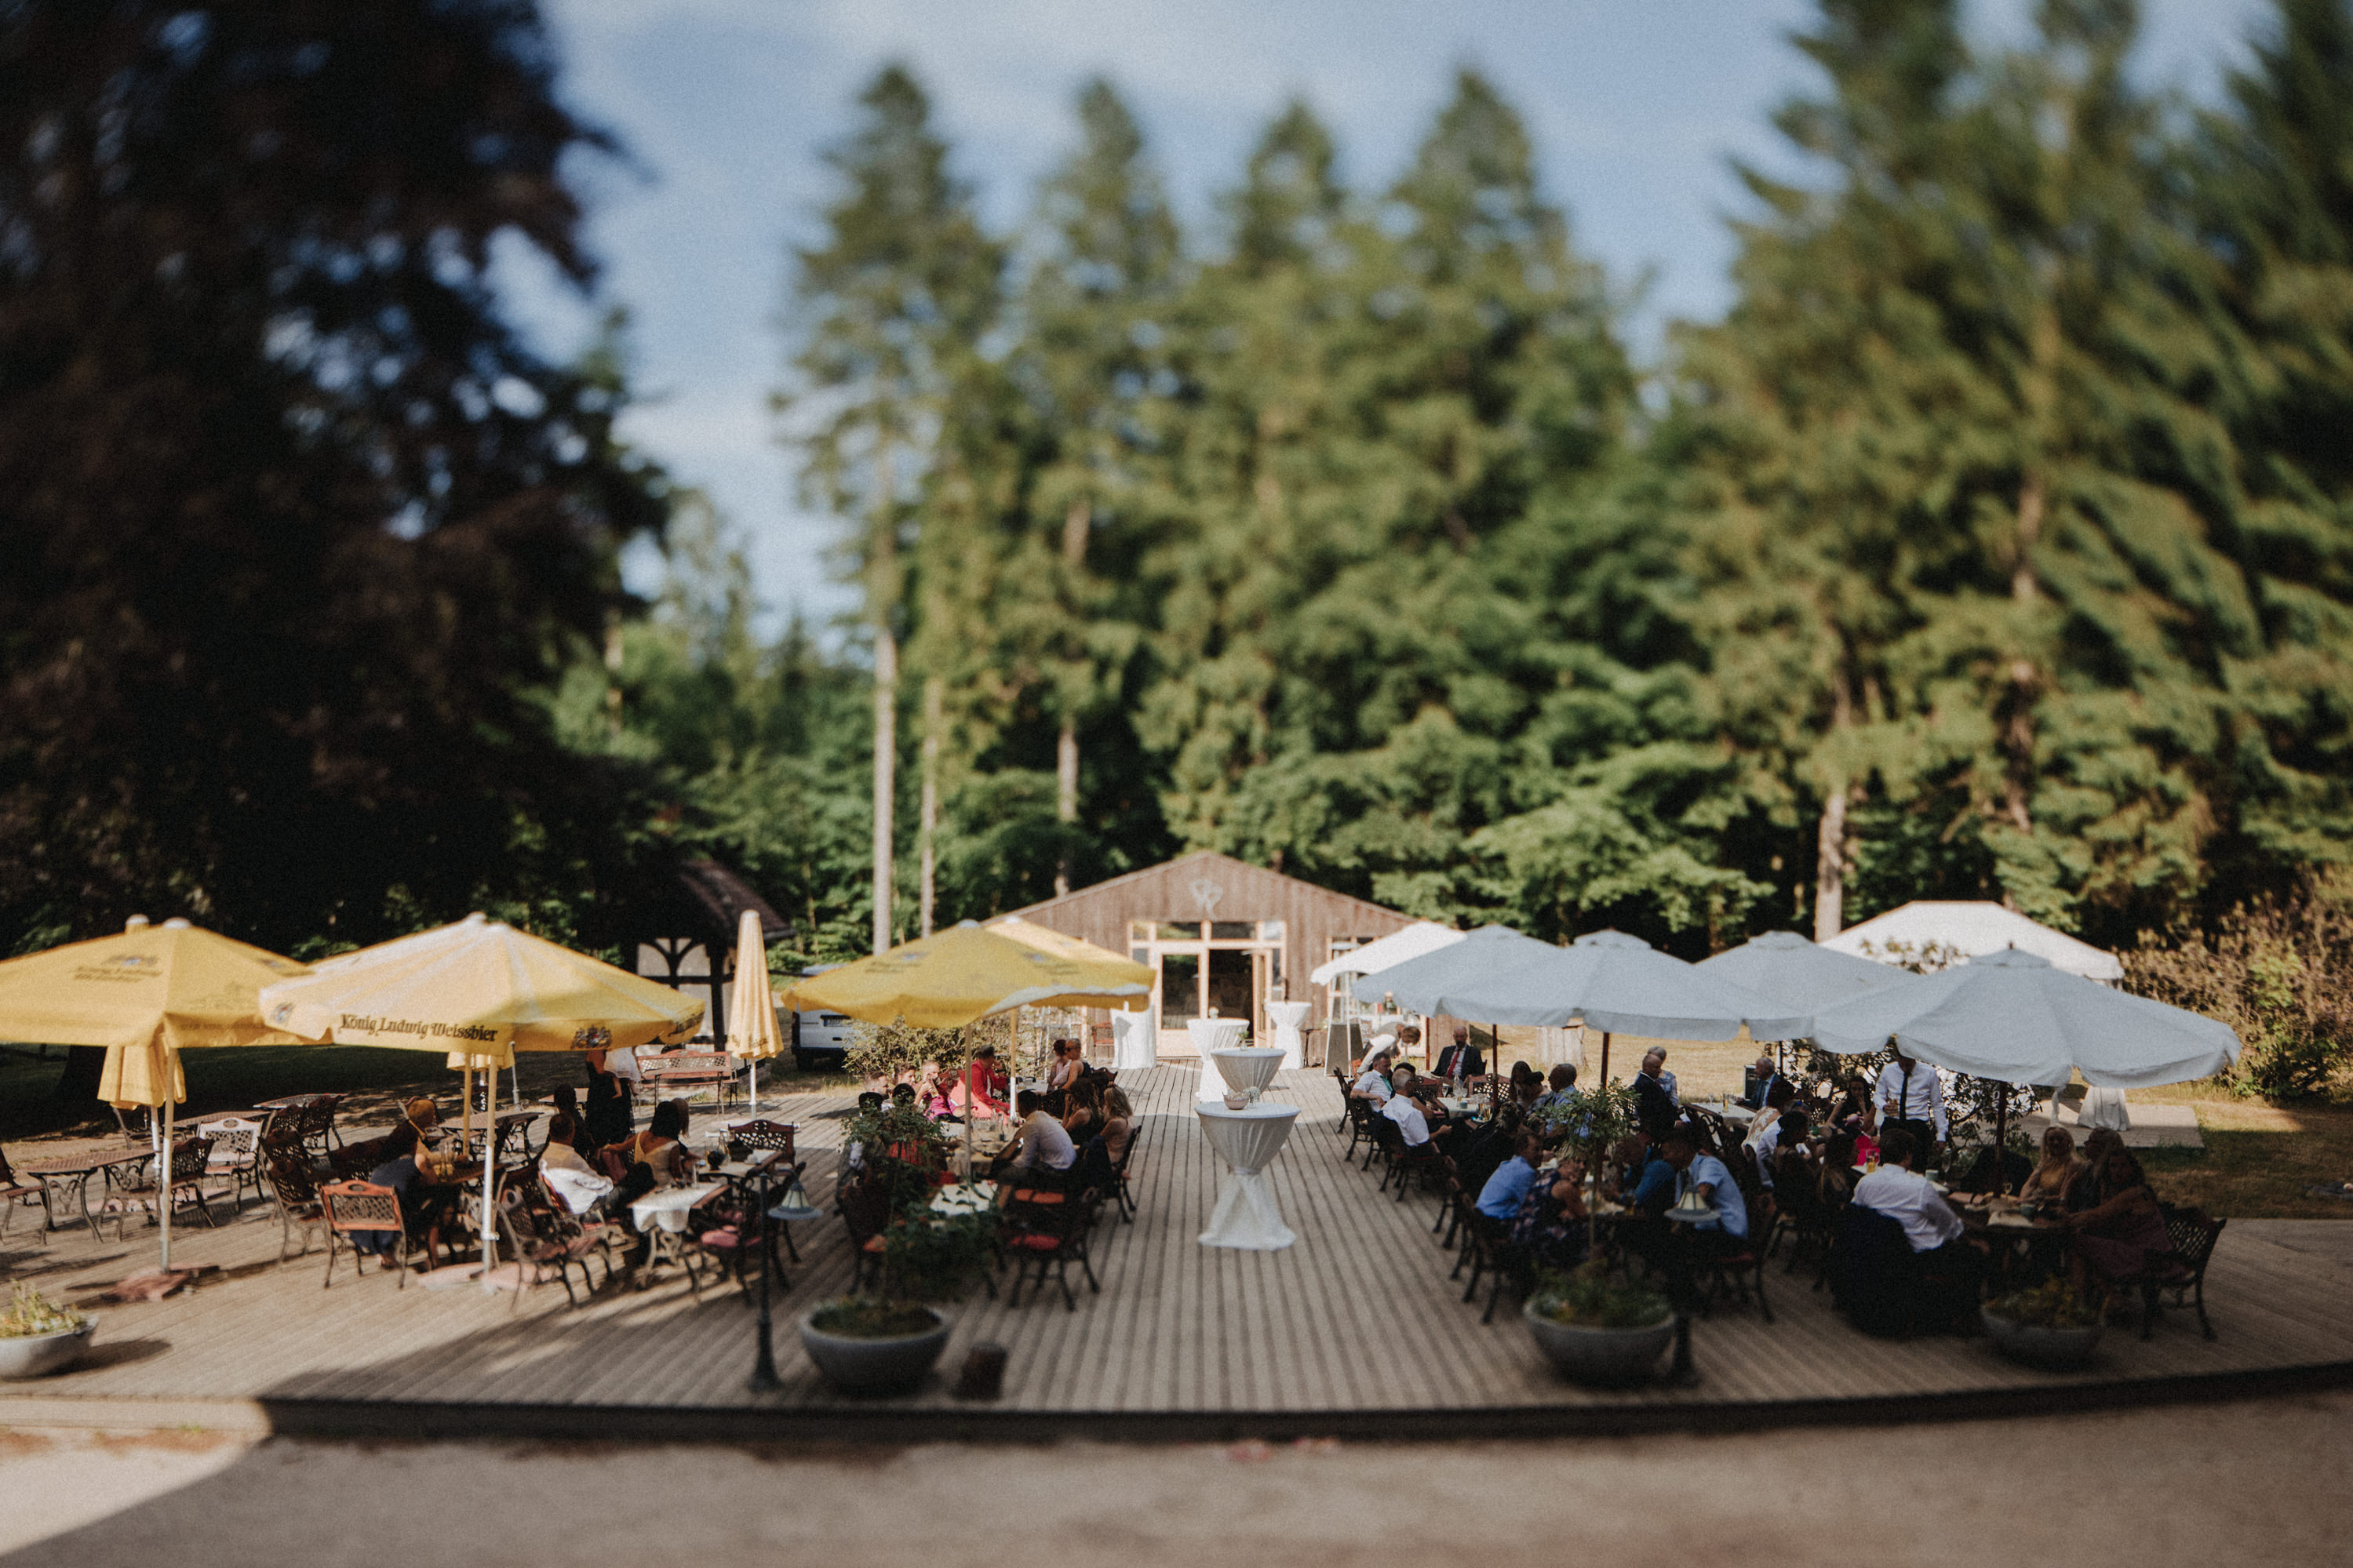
2033	501
613	677
1829	834
933	701
1066	745
886	753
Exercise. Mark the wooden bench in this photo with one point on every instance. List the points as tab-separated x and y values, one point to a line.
665	1075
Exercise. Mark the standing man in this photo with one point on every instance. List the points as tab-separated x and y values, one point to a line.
1912	1097
1656	1106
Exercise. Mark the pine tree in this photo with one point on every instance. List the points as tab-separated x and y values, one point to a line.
1097	312
2274	195
901	292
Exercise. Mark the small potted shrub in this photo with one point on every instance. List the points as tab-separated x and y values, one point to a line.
37	1336
887	1342
2049	1326
1594	1332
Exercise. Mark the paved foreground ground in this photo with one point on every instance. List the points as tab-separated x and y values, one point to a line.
2255	1482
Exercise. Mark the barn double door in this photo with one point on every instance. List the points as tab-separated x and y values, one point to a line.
1202	969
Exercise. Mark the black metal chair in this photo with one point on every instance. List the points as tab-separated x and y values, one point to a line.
2181	1272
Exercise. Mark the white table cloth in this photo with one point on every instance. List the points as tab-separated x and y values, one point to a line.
1245	1067
1213	1035
1249	1139
668	1208
1135	1039
1286	1018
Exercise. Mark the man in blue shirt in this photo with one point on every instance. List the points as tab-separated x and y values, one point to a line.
1500	1198
1708	1180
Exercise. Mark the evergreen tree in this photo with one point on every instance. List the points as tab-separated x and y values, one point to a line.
900	293
1099	306
2274	196
298	530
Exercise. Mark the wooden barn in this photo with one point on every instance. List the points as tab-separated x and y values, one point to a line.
687	934
1218	933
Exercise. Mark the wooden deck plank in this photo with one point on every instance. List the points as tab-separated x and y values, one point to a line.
1358	1316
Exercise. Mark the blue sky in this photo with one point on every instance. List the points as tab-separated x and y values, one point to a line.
1636	107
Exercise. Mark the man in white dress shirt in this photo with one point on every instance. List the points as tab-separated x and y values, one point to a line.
1373	1083
1403	1109
1911	1093
1950	1267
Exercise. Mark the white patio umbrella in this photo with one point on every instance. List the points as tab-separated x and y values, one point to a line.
2014	1017
1422	936
1620	984
1803	975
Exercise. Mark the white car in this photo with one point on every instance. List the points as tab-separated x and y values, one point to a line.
820	1040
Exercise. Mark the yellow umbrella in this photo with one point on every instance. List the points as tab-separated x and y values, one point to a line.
145	996
958	977
953	978
479	991
1111	966
752	1031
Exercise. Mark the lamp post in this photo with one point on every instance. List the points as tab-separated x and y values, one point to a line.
763	1370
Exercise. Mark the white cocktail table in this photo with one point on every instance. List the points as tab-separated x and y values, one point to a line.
1213	1035
1246	1216
1286	1018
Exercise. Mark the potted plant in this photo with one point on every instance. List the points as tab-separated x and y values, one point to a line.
886	1341
37	1336
1592	1331
1597	1332
2049	1326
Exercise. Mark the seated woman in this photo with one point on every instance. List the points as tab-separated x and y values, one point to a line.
1834	1181
2083	1192
2120	1237
1083	1115
654	1158
418	1128
1063	1064
1119	1123
607	1118
1550	1229
567	1172
2048	1182
934	1092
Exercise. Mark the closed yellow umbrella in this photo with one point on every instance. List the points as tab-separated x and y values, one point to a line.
479	991
752	1031
145	996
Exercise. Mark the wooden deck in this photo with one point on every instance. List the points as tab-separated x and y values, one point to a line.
1355	1330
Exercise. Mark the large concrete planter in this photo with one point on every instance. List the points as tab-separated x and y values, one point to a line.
2031	1344
38	1355
1600	1358
873	1366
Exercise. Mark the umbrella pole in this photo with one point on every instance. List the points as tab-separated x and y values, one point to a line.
490	1176
2001	1136
164	1168
1605	1058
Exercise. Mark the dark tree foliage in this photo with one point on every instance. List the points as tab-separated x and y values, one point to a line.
297	530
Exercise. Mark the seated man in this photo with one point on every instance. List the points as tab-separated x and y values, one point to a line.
1765	1136
1461	1060
1404	1108
1949	1265
1373	1083
1041	1150
1499	1199
580	1185
1557	1083
1709	1181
